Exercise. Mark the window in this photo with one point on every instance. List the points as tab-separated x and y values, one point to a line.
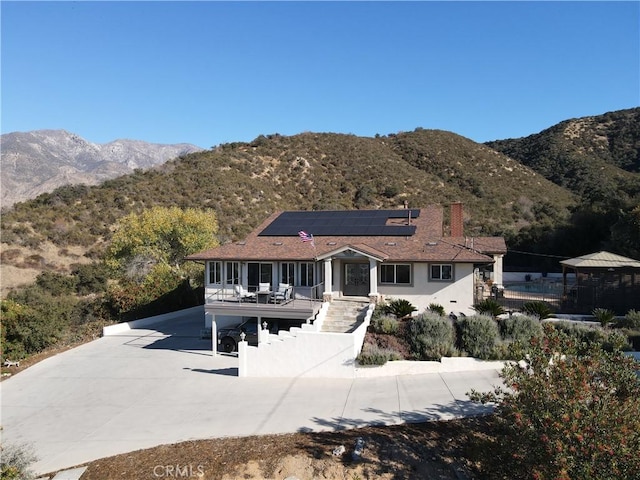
287	273
215	272
266	272
395	273
306	274
258	273
443	272
233	273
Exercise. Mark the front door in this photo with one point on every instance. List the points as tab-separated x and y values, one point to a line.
356	279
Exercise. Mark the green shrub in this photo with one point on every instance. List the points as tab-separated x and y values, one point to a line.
604	316
385	324
540	309
431	337
399	307
478	336
436	308
15	461
38	321
585	336
90	310
615	341
379	310
630	320
489	306
90	278
520	328
374	355
13	314
575	418
56	284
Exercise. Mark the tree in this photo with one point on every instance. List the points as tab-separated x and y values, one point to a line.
625	233
567	414
147	251
33	319
157	240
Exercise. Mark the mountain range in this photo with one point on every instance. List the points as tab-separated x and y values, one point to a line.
43	160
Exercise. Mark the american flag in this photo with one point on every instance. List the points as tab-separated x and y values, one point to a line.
305	237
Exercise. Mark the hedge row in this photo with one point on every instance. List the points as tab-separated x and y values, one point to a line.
431	336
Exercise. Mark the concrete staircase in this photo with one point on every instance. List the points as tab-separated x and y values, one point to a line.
345	315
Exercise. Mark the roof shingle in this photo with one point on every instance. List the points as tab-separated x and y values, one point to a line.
427	244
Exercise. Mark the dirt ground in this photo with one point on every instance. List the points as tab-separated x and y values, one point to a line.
20	266
442	450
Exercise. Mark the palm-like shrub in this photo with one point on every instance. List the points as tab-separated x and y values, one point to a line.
436	308
604	316
400	307
540	309
490	307
431	337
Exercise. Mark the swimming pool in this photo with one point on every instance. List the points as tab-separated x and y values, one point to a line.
555	288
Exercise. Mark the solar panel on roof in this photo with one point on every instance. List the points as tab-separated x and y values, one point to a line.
341	223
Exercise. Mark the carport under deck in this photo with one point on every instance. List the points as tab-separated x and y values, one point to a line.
302	309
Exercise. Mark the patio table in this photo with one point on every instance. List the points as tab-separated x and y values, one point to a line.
263	296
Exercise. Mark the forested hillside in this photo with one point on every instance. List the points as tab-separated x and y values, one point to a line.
566	191
245	182
589	155
598	159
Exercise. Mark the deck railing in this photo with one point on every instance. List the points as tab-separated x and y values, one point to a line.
252	295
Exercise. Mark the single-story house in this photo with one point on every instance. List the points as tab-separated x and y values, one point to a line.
603	280
296	260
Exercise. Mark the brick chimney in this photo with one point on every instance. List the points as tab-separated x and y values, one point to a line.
457	220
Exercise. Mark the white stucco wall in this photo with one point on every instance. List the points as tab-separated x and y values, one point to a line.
453	296
304	352
150	321
445	365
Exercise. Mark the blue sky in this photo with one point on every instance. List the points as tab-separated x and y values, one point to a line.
214	72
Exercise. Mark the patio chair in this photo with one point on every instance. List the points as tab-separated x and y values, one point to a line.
282	294
242	294
264	287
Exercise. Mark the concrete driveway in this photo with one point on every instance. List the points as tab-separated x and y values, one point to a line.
147	387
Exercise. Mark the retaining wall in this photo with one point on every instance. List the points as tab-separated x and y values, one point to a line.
408	367
146	322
